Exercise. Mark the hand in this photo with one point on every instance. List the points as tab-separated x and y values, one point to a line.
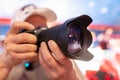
19	47
55	64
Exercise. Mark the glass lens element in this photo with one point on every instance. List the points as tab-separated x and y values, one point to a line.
74	36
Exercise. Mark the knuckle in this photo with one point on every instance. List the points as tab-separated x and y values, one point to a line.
12	55
30	56
58	74
49	60
8	48
30	47
62	58
26	57
26	48
61	73
14	24
7	40
54	77
25	38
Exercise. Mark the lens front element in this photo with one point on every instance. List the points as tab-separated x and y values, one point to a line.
74	38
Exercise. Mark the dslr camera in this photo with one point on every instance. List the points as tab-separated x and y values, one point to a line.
72	37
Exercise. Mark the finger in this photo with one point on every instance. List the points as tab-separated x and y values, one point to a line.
46	68
23	56
42	62
52	73
17	26
59	56
24	38
21	48
48	58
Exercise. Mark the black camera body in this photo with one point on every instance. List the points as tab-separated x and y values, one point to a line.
72	37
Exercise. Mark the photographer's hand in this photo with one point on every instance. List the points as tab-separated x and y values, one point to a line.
18	47
56	65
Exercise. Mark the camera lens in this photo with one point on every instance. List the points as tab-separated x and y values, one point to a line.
74	38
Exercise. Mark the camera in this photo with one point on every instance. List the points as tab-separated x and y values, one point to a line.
72	37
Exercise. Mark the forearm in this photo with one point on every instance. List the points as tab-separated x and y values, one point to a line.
4	71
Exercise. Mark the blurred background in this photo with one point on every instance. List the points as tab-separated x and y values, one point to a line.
105	27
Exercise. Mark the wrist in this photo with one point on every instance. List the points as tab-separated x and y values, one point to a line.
4	67
5	61
74	76
4	70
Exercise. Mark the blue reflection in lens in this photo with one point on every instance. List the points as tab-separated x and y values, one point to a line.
74	33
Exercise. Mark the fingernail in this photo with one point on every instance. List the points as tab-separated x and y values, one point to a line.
50	43
32	27
42	43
